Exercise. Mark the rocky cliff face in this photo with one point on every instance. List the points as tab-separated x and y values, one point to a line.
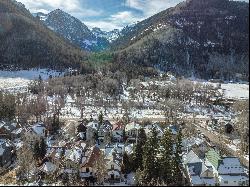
74	30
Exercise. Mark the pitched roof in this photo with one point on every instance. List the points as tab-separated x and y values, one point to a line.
94	155
191	157
4	144
132	125
230	165
118	126
213	157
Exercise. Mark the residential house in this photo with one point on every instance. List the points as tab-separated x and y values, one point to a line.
148	130
82	131
199	172
88	161
113	156
6	152
16	133
48	168
92	129
232	173
174	129
105	131
114	169
132	130
6	129
213	157
117	132
39	129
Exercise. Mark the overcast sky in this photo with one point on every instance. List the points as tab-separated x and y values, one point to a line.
105	14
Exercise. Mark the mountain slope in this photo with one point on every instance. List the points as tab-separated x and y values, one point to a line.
202	38
110	36
27	42
74	30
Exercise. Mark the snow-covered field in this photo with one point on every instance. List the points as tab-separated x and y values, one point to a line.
236	91
230	90
19	80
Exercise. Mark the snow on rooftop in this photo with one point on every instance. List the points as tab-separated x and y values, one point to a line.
48	167
132	126
231	165
39	129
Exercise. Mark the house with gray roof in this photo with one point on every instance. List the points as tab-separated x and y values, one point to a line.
232	173
6	152
199	173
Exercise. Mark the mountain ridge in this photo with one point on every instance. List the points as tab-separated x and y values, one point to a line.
196	38
27	42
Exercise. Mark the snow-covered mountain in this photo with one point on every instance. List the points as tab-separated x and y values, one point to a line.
110	36
73	29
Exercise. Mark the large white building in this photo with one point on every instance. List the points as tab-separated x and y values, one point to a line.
232	173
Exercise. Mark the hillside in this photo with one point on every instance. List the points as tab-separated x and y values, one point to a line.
27	42
201	38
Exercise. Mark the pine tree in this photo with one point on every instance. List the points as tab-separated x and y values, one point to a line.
138	150
166	162
126	164
43	148
124	137
177	158
36	150
100	119
40	149
150	161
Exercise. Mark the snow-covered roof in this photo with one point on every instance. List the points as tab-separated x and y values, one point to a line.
114	172
93	125
129	148
18	143
230	165
191	157
39	129
173	129
3	145
17	131
234	177
132	126
189	142
2	123
196	180
149	128
48	167
74	155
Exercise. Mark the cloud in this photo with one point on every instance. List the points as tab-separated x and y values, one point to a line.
115	21
104	25
74	7
151	7
125	17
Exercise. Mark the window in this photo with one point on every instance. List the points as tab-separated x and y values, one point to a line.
87	170
112	166
225	182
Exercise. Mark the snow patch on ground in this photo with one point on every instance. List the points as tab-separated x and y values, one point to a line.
19	80
236	91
